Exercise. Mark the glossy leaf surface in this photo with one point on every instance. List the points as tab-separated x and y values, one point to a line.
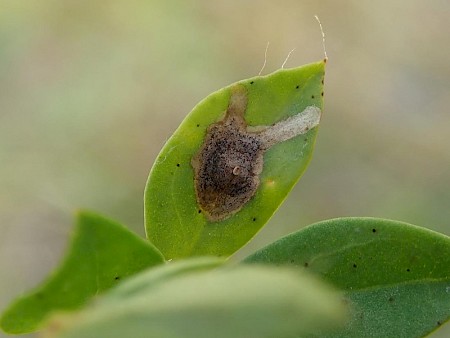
396	275
101	253
174	221
239	302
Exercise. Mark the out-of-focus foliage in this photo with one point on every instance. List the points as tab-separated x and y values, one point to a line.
102	252
268	302
90	91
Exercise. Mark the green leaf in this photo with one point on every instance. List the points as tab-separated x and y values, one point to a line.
102	253
175	221
396	275
238	302
148	279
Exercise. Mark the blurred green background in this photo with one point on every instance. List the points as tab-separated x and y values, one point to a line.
90	91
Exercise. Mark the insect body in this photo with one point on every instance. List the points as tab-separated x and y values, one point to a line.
228	164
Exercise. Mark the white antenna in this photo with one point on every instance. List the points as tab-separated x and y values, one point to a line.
287	58
323	37
265	59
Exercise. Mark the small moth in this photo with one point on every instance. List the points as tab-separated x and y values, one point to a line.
230	160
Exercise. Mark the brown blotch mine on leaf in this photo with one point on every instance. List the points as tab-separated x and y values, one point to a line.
228	164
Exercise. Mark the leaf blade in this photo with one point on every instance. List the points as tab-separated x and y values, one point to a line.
172	216
208	304
370	258
100	254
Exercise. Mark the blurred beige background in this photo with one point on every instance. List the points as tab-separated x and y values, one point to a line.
90	90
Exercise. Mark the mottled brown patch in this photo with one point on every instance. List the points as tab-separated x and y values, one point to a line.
228	164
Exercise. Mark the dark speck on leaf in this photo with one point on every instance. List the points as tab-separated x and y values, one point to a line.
254	219
354	265
297	87
292	261
199	211
117	278
408	270
178	164
391	299
198	125
252	82
374	230
321	93
312	96
439	323
306	264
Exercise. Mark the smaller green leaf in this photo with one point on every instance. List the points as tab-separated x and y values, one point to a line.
238	302
102	253
396	275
